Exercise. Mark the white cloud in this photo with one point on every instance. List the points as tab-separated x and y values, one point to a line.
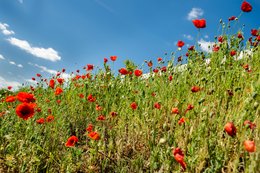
50	71
195	13
2	57
5	83
12	62
21	1
206	46
4	29
188	37
48	54
206	36
18	65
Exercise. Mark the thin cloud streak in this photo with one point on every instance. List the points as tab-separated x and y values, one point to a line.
102	4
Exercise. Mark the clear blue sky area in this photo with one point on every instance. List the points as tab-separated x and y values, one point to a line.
44	36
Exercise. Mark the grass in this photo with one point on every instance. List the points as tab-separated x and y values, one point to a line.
142	140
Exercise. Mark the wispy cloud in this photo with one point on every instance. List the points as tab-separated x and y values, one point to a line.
206	46
195	13
5	83
105	6
2	57
50	71
188	37
14	63
5	30
21	1
47	54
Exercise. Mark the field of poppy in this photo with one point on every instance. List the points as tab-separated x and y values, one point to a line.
203	116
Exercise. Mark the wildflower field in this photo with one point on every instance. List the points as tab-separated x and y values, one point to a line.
203	116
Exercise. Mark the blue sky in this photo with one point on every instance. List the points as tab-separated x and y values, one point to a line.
44	36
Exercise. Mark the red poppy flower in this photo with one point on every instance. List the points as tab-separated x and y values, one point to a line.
31	87
40	121
99	108
60	80
150	64
191	48
258	38
91	98
133	105
138	72
113	114
10	99
71	141
215	48
113	58
25	97
101	118
232	18
33	78
94	135
254	32
159	59
58	91
230	129
175	111
195	89
246	7
249	146
89	128
9	87
155	70
187	54
180	43
233	53
123	71
38	109
50	118
164	69
25	110
245	66
90	67
81	95
157	105
170	78
199	23
240	35
181	121
179	157
38	75
52	83
251	125
220	39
